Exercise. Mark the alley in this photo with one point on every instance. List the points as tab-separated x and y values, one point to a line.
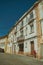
7	59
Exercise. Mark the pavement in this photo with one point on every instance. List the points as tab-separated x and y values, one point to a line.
12	59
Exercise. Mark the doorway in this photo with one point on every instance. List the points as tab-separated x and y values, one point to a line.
32	47
21	48
41	52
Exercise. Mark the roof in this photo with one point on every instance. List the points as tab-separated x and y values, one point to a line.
6	36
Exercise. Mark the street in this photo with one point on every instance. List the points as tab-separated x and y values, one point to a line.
9	59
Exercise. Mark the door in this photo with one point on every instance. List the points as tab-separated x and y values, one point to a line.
32	47
41	51
21	46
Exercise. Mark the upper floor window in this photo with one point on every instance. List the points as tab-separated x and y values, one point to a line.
2	44
31	15
26	45
26	31
41	3
21	32
16	28
31	28
21	24
27	19
42	27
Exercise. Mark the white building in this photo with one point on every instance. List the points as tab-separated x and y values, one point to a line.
26	36
29	31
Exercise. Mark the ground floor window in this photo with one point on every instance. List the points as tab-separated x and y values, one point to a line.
1	50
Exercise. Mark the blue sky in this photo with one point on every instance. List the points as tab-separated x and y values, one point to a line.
11	11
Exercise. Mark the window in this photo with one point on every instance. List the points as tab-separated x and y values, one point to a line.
27	19
2	44
26	45
42	27
26	31
21	24
31	28
31	15
21	32
15	33
41	3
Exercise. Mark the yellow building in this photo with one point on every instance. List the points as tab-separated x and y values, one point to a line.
3	43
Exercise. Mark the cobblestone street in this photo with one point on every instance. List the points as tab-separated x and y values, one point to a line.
7	59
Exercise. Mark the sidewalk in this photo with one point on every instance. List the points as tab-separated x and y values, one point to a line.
30	57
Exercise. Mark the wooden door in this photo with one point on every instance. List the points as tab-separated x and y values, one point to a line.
41	52
32	47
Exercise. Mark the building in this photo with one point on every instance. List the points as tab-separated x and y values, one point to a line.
29	31
10	42
3	43
26	36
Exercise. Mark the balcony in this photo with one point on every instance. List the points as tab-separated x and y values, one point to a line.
20	38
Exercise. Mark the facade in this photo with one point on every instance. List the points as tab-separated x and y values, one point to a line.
10	42
3	43
26	36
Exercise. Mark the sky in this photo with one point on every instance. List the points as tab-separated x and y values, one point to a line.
11	11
